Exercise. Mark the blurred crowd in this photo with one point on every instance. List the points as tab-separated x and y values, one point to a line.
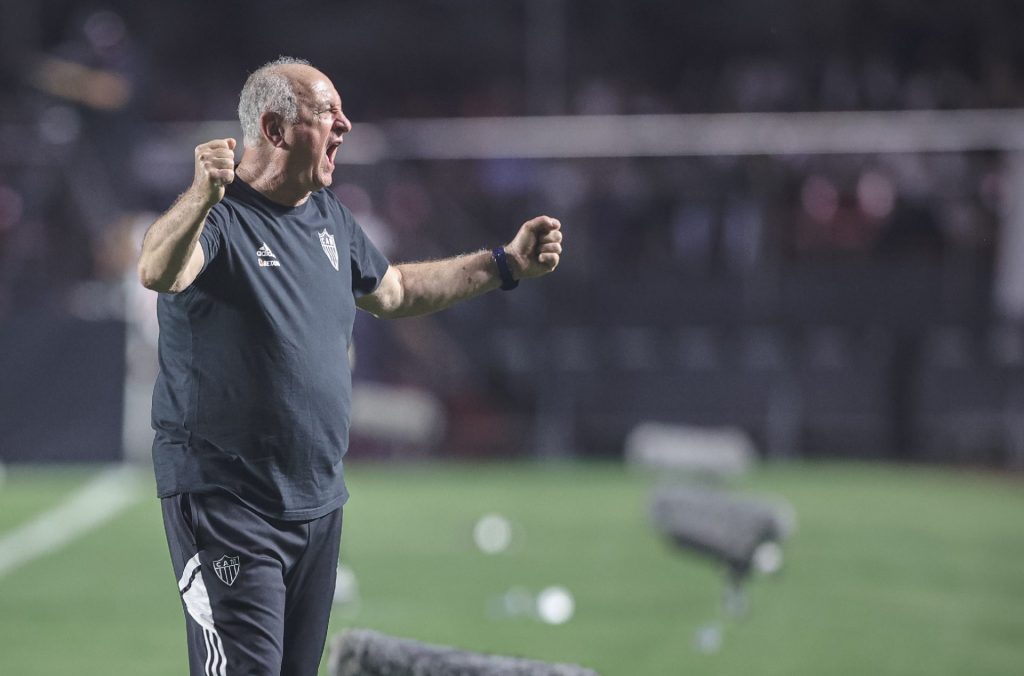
83	89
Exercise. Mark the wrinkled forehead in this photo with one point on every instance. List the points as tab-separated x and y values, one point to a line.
311	86
323	92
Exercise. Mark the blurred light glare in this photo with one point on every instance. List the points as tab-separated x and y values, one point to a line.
555	605
492	533
876	195
819	198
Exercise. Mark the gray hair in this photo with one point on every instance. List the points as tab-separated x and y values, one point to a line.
267	91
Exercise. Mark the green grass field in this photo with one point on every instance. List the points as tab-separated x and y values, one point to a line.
894	570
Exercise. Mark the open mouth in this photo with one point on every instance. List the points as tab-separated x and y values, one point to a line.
332	150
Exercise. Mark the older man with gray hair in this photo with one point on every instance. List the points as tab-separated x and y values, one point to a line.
260	271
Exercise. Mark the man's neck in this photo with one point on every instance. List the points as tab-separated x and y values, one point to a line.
268	179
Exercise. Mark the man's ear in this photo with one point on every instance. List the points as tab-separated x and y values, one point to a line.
272	126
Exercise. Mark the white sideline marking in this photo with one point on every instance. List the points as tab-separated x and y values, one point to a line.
98	501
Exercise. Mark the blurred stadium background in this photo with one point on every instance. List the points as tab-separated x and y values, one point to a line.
802	223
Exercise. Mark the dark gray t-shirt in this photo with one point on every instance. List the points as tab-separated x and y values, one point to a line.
253	395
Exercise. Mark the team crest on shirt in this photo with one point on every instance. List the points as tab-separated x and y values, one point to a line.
327	242
226	568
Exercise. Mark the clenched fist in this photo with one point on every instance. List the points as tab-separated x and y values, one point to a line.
536	248
215	168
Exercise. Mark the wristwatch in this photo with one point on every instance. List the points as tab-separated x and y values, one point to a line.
508	282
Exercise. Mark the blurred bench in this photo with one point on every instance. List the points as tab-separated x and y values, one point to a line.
361	652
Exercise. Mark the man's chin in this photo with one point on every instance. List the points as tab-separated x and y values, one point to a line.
323	180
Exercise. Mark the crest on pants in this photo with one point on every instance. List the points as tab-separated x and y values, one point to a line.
226	568
327	242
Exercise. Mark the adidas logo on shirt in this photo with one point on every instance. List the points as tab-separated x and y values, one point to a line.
266	258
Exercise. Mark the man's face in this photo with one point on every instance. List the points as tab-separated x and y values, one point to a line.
315	137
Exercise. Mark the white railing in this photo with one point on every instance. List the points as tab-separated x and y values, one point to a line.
666	135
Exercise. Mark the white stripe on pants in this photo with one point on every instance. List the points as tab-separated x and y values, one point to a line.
197	602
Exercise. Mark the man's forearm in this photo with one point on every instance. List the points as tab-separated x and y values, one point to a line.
170	242
169	261
410	289
435	285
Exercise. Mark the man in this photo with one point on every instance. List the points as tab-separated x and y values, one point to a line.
260	270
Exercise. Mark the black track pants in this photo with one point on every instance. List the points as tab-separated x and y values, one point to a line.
257	592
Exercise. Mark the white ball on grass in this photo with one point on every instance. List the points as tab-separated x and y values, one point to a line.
555	605
492	533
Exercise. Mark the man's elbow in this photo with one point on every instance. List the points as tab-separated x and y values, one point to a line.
388	300
155	282
147	278
379	307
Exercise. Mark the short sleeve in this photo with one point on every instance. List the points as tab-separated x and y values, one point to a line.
212	235
368	263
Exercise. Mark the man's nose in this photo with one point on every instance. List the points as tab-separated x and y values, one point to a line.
342	124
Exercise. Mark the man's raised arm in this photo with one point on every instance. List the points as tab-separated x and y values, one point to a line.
170	259
410	289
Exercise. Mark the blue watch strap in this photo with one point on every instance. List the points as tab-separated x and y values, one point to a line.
507	281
